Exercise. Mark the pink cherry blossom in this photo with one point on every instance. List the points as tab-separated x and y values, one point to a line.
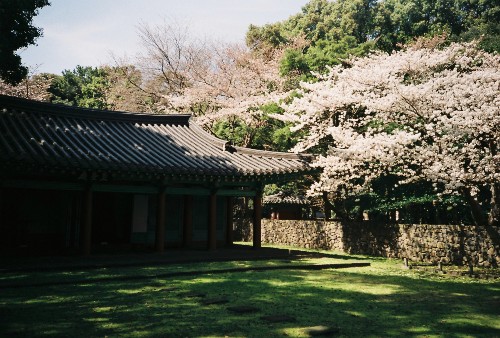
424	113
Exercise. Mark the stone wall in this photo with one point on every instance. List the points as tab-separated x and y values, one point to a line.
448	244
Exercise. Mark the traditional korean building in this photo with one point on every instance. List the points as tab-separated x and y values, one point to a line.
74	179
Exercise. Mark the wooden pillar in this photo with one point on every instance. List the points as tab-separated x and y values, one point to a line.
212	222
86	229
160	221
3	215
229	221
187	234
257	217
1	205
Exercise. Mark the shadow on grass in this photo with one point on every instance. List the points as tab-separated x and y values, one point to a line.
14	263
4	283
356	302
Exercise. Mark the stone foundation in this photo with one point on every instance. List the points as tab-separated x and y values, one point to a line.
448	244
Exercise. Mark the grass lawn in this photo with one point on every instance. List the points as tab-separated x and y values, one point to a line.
382	300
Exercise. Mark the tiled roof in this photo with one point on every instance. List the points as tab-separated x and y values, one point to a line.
285	198
44	135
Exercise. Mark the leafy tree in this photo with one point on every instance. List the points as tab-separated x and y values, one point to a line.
400	21
17	31
336	29
333	31
83	86
270	134
482	22
265	38
294	62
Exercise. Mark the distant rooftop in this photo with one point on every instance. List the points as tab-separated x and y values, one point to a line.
285	198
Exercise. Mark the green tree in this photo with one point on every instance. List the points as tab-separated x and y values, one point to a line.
482	20
334	30
265	38
83	86
17	31
271	134
399	21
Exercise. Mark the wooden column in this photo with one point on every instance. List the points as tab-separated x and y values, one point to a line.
3	216
257	217
229	221
160	221
86	229
187	234
1	205
212	222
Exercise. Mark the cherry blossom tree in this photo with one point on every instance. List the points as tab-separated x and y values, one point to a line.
234	82
33	87
123	93
205	77
427	112
212	80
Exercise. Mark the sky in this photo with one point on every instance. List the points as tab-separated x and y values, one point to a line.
89	32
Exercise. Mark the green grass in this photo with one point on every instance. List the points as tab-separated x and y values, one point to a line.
383	300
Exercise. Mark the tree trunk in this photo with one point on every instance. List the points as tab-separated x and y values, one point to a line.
338	207
327	205
478	216
340	210
494	215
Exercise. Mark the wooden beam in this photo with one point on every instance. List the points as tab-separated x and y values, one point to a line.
86	230
160	221
229	221
257	218
212	222
187	234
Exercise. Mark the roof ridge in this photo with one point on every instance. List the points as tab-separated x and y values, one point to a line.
33	106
